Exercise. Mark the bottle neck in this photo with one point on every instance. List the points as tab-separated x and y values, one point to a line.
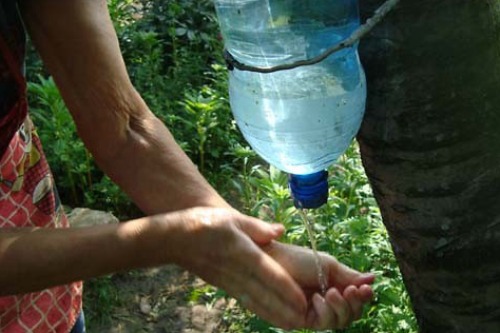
309	191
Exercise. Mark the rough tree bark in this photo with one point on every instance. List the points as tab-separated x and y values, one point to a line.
430	145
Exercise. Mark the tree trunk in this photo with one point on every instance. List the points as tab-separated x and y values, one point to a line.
430	144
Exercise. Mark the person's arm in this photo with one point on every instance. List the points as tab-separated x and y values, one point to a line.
219	245
34	259
78	44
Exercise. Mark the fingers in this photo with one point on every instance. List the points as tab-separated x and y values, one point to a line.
324	317
341	276
329	312
276	312
267	290
349	305
259	231
354	300
298	261
264	288
273	310
365	293
336	310
301	264
364	279
340	307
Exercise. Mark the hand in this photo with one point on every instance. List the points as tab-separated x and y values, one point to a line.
276	281
222	247
348	290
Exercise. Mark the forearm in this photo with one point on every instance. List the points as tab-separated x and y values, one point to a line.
155	172
34	259
131	145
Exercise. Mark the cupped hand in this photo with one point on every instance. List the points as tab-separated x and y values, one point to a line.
223	247
348	290
276	281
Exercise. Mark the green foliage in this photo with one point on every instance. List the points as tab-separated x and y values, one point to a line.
66	153
168	47
202	119
101	297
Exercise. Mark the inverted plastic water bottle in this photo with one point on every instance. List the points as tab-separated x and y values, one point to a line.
302	119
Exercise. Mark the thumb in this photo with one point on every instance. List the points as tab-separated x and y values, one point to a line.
259	231
343	276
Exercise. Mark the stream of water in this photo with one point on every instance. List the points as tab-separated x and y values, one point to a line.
309	225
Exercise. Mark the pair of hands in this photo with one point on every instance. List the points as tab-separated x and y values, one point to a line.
230	250
276	281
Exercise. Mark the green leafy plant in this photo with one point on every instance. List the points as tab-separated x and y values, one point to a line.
70	161
101	297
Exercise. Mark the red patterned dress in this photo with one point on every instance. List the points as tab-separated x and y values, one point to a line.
27	194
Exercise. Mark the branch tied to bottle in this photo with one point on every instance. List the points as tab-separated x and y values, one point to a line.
379	14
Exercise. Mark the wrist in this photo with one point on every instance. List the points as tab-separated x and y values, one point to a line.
159	239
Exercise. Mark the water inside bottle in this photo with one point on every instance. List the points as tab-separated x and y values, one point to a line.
300	120
309	225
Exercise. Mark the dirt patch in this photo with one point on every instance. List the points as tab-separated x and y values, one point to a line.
158	300
162	300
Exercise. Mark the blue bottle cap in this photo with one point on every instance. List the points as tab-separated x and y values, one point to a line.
309	191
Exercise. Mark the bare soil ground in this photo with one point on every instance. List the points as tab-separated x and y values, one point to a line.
160	301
